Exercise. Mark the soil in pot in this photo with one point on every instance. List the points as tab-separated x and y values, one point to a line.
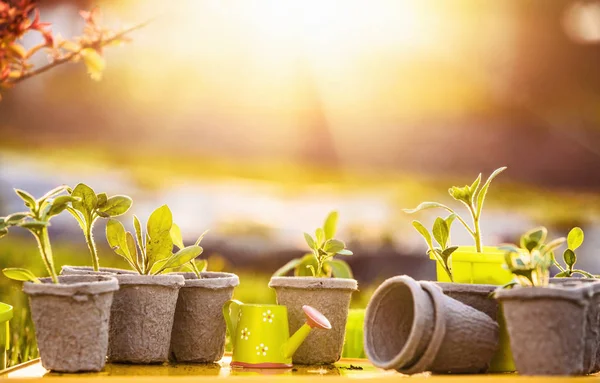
199	329
547	326
71	320
142	317
330	296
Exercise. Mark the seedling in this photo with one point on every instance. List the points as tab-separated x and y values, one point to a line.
574	241
472	197
320	262
92	206
530	263
441	233
155	253
37	220
197	266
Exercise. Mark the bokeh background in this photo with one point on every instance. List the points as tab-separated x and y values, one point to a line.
255	118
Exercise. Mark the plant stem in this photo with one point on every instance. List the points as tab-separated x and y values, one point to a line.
89	239
46	252
195	268
477	232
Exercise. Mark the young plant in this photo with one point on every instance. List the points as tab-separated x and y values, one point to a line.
92	206
574	241
154	252
473	197
36	221
441	233
320	262
197	266
530	263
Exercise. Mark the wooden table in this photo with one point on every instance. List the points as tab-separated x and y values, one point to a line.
343	371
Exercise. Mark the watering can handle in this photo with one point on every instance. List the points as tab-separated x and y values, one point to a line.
231	310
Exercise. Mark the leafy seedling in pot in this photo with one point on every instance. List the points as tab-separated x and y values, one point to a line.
197	266
320	262
154	252
531	261
473	197
36	221
441	234
92	206
574	241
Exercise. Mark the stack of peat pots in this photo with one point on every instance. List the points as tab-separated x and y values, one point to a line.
414	327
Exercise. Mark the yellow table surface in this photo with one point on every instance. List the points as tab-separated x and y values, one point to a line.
344	370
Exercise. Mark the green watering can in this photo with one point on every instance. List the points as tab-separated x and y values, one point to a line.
6	314
260	334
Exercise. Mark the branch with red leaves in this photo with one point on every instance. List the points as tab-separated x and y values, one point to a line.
16	21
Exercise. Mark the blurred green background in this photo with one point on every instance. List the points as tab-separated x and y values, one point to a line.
255	118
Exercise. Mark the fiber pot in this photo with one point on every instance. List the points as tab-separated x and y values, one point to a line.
413	327
142	318
591	355
71	319
330	296
88	270
547	326
199	328
479	297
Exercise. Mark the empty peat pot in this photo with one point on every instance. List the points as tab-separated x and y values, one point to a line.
413	327
330	296
547	327
142	317
71	320
88	270
199	329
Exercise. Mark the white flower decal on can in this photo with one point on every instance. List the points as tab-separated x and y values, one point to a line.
268	316
245	334
262	350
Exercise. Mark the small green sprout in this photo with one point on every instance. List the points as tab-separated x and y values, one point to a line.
473	197
155	254
92	206
320	262
36	221
574	241
441	233
197	266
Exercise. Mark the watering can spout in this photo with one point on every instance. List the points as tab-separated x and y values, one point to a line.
314	319
231	311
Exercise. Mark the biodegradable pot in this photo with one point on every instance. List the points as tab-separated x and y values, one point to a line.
413	327
330	296
71	319
547	326
142	318
88	270
591	354
199	329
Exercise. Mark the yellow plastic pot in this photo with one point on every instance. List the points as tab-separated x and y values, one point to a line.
469	266
6	314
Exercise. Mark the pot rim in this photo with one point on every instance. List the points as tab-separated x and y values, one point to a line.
473	288
167	280
314	283
90	270
211	280
417	329
70	285
579	294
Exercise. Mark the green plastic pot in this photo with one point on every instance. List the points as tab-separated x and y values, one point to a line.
469	266
353	343
6	314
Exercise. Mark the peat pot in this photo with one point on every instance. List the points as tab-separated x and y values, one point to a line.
88	270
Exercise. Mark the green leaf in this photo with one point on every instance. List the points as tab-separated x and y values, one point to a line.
307	266
330	226
421	229
345	252
176	236
291	265
87	200
78	217
58	205
562	274
474	186
138	231
52	193
3	232
201	264
15	218
333	246
131	246
483	191
449	220
441	232
461	194
575	238
158	247
554	244
312	270
116	205
33	224
310	241
427	205
446	253
160	221
570	258
102	199
200	238
183	256
320	236
117	240
339	269
20	275
29	200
